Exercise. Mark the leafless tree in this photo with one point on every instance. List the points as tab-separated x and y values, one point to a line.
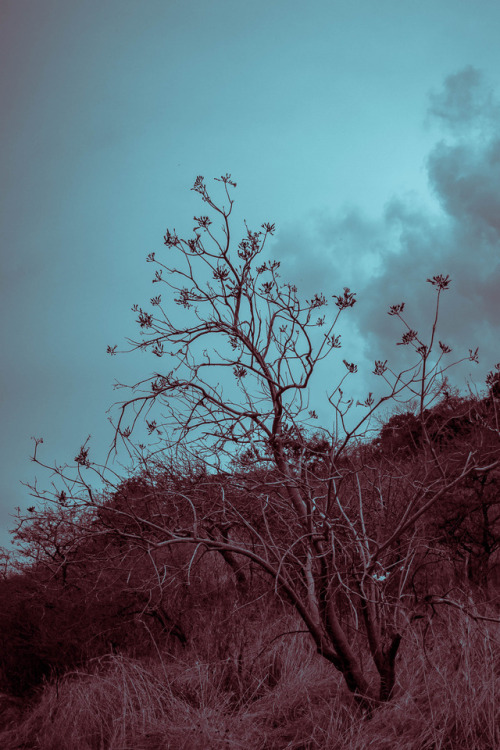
336	530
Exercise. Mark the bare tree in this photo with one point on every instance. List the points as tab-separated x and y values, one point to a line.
335	529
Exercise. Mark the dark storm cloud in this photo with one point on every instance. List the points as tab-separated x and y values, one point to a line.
466	179
389	259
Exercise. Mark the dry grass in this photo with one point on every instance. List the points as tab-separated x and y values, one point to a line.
448	690
276	697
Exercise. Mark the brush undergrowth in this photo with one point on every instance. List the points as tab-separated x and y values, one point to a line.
259	692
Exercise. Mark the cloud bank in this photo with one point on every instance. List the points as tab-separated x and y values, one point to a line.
387	260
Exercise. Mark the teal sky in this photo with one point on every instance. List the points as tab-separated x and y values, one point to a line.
368	131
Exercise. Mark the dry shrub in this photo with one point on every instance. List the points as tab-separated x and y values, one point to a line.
94	710
287	697
124	704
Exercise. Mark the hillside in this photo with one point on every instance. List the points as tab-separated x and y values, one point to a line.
113	637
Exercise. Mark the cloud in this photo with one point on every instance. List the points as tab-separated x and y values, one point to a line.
464	102
387	260
466	179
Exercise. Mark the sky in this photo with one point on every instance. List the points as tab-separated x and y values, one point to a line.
369	132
